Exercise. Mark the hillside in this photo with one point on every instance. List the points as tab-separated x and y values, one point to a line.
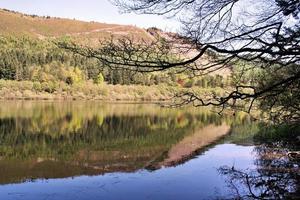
17	24
14	23
32	66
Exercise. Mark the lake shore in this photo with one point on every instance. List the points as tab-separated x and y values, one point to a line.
27	90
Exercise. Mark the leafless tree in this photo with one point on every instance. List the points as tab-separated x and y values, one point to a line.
264	35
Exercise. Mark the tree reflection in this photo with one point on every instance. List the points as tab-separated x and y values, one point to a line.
39	140
275	176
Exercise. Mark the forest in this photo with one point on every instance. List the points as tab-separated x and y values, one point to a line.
39	66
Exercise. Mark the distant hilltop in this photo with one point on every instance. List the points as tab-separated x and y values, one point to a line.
16	24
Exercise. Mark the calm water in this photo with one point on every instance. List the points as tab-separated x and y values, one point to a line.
80	150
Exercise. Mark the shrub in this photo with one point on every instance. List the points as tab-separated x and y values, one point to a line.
100	79
49	87
37	86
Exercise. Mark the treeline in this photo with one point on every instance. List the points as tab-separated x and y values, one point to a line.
29	59
29	15
208	81
41	60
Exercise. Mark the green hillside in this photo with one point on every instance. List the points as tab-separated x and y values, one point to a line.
33	66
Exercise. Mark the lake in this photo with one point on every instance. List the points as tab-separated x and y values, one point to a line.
92	150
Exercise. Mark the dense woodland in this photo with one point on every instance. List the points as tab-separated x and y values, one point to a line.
41	61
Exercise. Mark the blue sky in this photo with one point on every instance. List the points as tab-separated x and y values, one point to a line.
87	10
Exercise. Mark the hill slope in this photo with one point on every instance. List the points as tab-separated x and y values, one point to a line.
14	23
23	53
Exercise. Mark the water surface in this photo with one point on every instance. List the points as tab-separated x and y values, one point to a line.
90	150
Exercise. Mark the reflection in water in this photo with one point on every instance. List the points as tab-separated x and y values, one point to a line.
55	140
138	152
276	175
185	149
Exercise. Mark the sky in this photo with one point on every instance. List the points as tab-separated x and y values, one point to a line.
87	10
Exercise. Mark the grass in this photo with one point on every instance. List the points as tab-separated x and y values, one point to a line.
14	23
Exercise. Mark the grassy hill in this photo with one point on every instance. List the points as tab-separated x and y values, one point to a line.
17	24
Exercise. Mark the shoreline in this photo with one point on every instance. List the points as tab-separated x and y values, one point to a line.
87	100
27	90
125	101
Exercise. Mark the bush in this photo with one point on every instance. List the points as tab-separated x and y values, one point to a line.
100	79
48	87
37	86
